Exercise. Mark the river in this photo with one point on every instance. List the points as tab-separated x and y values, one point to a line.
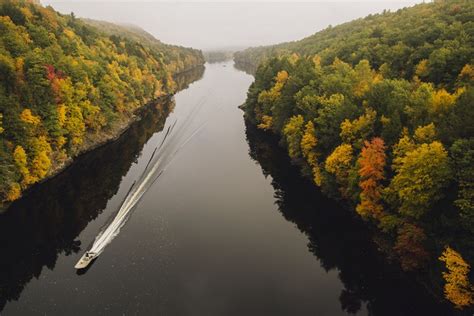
230	228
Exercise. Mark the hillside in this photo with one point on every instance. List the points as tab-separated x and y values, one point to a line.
66	86
440	33
176	58
378	112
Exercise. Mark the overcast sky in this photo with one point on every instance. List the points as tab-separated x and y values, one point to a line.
226	24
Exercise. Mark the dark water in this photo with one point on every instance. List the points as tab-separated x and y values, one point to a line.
229	229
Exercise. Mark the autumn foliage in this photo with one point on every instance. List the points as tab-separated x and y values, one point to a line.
457	289
65	85
410	248
371	172
385	126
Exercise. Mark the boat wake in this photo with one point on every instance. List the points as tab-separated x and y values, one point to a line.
173	138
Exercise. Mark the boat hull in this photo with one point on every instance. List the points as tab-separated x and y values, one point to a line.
85	260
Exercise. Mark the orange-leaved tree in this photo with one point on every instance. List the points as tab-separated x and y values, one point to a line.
371	172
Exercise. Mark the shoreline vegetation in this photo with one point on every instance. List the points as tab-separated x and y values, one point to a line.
378	113
114	135
69	85
218	56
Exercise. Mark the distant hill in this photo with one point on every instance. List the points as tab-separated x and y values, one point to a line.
218	56
173	54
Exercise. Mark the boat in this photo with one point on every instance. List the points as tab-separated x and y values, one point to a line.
85	260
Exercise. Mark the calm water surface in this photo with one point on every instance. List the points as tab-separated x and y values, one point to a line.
229	229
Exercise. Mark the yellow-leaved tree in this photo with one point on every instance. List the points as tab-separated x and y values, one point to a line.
442	101
75	126
357	131
308	145
339	163
267	98
457	289
41	163
21	162
267	122
14	192
421	174
27	116
293	132
364	77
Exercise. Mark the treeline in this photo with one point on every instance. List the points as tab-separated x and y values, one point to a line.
218	56
441	33
176	58
66	86
379	112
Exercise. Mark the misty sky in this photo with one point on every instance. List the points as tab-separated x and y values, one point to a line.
225	24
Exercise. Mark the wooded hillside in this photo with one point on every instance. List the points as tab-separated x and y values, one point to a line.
66	86
379	113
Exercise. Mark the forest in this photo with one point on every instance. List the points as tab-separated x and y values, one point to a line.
68	84
218	56
379	113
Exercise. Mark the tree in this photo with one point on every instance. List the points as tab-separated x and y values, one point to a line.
267	122
419	104
308	143
357	131
442	101
409	247
420	177
40	162
14	192
27	117
457	289
339	163
268	98
390	99
7	72
364	78
425	134
75	126
462	152
293	133
332	112
422	69
308	149
371	171
466	76
21	162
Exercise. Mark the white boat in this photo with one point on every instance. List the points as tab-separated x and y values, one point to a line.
85	260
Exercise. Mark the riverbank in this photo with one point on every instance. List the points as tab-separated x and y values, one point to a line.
93	141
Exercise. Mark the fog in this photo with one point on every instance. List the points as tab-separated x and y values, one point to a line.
227	25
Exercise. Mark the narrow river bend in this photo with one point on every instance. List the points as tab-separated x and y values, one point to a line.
230	228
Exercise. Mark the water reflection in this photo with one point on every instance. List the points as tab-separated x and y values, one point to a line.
245	67
46	221
341	241
184	79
